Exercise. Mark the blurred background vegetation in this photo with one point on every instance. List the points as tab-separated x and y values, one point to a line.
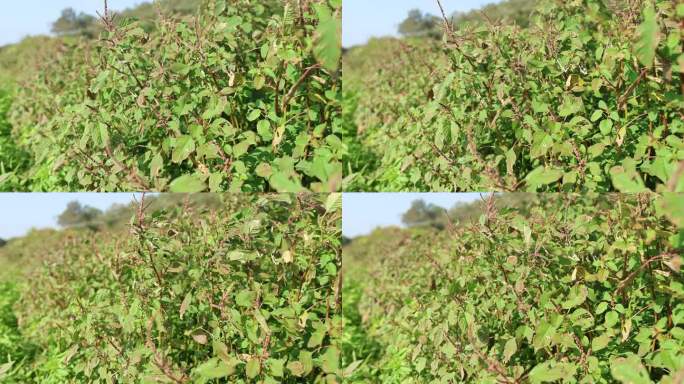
18	60
20	255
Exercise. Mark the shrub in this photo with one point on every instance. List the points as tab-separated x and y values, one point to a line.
242	97
569	288
248	292
587	98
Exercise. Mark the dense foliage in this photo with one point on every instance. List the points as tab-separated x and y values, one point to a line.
240	97
245	292
587	97
564	288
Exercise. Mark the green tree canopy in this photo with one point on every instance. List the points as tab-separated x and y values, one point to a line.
76	215
420	24
511	12
423	214
72	23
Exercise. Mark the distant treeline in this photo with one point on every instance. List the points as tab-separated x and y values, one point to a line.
72	23
428	215
419	24
76	215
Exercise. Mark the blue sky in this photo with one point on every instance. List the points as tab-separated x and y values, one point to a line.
20	212
363	212
362	19
33	17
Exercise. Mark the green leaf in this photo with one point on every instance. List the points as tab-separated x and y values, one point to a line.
627	182
254	115
673	206
185	145
253	368
216	368
316	338
264	130
570	106
245	298
241	148
606	127
185	304
281	183
188	184
156	165
601	308
264	170
277	367
104	134
180	68
551	371
600	342
4	368
542	176
333	202
328	46
542	338
259	82
215	108
577	296
296	368
216	181
629	370
509	350
420	364
648	37
612	318
331	360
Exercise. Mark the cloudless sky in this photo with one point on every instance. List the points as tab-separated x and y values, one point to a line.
363	212
20	18
19	212
362	19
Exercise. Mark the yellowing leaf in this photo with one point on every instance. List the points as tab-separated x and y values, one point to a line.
288	257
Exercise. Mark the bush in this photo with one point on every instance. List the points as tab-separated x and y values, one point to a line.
243	97
248	292
587	98
569	288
